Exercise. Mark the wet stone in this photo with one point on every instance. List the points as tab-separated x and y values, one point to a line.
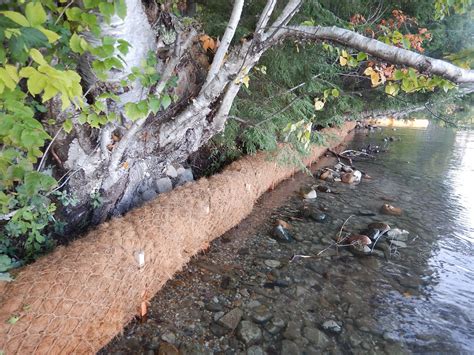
368	213
289	348
169	337
214	307
275	326
261	315
167	349
249	332
331	326
316	337
272	263
231	319
255	350
218	330
292	331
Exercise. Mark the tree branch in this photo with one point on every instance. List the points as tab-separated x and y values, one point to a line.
377	49
225	42
286	15
265	16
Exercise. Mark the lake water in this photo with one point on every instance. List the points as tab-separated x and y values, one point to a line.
416	297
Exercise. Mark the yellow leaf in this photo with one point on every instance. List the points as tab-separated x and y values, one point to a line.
50	35
375	79
16	17
342	61
318	104
35	13
374	76
245	80
37	56
368	71
12	72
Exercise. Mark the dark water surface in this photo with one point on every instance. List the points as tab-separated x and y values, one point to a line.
417	298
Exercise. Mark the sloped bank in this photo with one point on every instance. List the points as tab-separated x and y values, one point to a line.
76	299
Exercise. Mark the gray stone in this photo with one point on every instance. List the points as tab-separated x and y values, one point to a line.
316	337
261	315
218	315
218	330
289	348
171	171
272	263
292	331
214	307
149	195
255	350
231	319
185	176
390	336
275	326
163	185
169	337
332	326
249	333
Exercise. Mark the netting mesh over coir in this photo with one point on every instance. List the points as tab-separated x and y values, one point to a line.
76	299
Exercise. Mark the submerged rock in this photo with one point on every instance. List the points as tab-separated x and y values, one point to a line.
310	211
249	333
308	193
332	326
282	235
231	319
391	210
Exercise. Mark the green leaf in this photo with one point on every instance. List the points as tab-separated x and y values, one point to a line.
120	8
154	104
123	46
361	56
136	111
165	101
35	13
106	9
398	74
67	125
392	89
74	14
75	44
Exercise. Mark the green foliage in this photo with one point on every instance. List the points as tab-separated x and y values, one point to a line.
40	39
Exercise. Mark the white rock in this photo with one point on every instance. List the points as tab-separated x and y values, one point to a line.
311	194
272	263
171	171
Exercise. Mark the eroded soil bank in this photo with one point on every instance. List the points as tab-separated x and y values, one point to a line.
244	295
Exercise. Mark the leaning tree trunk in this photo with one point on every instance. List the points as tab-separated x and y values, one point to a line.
147	146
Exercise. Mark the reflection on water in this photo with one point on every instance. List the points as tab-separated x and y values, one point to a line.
432	172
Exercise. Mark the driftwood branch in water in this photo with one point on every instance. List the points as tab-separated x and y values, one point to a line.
339	156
